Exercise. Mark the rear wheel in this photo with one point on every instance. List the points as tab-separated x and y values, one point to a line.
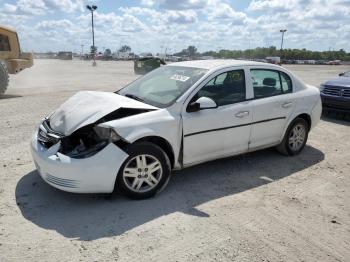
4	78
145	172
295	138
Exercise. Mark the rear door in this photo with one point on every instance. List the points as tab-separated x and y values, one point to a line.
272	105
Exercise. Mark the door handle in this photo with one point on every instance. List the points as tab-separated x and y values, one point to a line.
242	114
287	104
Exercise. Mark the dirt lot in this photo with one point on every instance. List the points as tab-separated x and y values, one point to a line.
256	207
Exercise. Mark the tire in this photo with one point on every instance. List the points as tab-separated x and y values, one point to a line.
292	144
4	78
135	180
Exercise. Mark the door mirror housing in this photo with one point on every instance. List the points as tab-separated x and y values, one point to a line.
201	103
341	74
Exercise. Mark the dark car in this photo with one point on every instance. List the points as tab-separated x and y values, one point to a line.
147	64
335	93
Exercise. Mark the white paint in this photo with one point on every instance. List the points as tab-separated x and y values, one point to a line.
86	107
172	123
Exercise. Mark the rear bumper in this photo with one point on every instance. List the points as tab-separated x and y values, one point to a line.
335	103
96	174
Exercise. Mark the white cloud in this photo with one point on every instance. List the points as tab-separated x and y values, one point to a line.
225	11
182	4
148	3
68	6
41	7
207	24
181	17
266	5
8	8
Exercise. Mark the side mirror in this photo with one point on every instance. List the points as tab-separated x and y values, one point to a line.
341	74
202	103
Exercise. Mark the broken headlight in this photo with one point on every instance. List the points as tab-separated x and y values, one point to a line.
106	134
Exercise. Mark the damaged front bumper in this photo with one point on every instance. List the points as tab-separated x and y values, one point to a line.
94	174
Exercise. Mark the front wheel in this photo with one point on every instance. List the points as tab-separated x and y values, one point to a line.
295	138
145	172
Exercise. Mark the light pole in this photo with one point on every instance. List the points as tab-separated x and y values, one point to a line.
82	52
282	31
92	8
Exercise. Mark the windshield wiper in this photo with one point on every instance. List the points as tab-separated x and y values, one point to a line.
134	97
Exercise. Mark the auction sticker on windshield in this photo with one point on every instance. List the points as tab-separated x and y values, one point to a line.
179	78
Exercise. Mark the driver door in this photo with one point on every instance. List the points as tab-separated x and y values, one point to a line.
222	131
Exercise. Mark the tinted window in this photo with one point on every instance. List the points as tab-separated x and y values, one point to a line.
270	83
4	43
226	88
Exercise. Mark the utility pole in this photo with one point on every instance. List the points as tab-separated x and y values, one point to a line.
92	8
82	52
282	31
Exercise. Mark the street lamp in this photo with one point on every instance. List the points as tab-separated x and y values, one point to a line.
82	52
282	31
92	8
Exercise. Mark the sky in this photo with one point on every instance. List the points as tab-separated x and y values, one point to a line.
172	25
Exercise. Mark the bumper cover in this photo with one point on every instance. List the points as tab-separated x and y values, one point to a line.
96	174
334	102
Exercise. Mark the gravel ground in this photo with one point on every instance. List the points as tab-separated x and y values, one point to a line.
256	207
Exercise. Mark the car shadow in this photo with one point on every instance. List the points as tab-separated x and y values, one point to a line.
336	117
9	96
93	216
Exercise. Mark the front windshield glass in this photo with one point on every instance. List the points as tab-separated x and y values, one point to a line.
161	87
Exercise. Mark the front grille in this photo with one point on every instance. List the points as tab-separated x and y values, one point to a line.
332	90
346	93
62	181
336	91
47	136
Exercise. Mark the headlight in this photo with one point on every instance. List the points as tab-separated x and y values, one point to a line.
108	134
322	87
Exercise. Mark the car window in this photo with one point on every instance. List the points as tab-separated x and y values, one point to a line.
286	83
268	83
226	88
4	43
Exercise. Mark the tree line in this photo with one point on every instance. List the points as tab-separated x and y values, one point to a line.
263	52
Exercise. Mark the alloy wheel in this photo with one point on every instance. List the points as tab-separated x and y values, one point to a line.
297	137
142	173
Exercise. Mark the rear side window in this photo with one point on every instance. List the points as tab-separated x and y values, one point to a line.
286	83
4	43
268	83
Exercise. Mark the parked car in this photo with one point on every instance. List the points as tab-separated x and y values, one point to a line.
176	116
335	93
145	65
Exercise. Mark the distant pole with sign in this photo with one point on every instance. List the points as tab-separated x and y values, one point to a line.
92	8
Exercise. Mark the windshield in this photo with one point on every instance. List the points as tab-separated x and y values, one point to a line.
161	87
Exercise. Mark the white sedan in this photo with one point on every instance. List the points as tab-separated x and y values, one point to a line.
176	116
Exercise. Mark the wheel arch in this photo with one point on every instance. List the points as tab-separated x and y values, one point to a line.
163	144
306	117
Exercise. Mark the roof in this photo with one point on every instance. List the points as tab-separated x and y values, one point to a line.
218	63
7	28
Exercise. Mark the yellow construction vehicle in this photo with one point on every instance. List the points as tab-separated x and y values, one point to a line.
12	60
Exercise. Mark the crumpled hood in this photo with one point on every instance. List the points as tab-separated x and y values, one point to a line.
339	81
87	107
